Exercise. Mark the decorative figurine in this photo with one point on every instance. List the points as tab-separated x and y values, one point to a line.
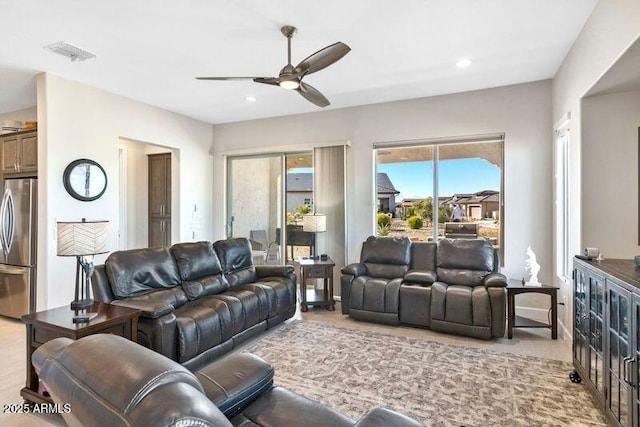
532	267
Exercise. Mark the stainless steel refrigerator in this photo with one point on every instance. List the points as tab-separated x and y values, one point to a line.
18	246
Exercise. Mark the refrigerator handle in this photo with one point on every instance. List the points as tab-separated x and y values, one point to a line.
11	227
3	208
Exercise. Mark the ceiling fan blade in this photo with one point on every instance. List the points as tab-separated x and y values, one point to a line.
267	80
312	94
231	78
323	58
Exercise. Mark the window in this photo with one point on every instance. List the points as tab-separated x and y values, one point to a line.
440	182
561	190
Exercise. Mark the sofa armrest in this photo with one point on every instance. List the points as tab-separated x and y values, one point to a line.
232	383
495	280
355	269
420	277
150	309
274	271
382	417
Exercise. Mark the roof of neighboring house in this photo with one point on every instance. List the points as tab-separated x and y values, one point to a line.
300	182
479	197
303	182
385	186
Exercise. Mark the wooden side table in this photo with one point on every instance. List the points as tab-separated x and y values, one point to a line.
316	269
515	287
46	325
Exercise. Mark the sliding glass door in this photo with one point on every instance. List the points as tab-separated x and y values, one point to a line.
265	195
254	204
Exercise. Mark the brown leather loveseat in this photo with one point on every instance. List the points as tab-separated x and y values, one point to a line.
198	300
453	286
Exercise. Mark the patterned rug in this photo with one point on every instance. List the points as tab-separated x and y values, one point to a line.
438	384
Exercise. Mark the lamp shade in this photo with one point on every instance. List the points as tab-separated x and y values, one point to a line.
82	238
316	223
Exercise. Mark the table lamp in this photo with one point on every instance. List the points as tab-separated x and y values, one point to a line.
83	240
314	223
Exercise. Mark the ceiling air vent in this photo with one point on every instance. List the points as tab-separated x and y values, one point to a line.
72	52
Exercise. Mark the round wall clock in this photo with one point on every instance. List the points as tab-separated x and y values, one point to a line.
84	180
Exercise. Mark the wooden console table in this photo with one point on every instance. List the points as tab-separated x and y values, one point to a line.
46	325
316	269
515	287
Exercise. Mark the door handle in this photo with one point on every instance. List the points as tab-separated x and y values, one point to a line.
626	369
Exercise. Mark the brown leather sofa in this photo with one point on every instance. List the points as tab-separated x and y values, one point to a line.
109	381
453	286
198	300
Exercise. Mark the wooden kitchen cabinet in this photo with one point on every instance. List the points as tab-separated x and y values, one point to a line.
19	152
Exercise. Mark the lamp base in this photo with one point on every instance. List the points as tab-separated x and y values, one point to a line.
84	317
81	304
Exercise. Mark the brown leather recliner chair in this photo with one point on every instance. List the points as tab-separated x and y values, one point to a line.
109	381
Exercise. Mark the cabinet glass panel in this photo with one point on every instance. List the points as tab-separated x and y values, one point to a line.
619	354
580	318
594	333
623	318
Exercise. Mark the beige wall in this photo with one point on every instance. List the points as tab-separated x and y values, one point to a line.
610	173
77	121
523	112
611	28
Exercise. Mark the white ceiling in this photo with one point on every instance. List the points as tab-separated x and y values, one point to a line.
151	50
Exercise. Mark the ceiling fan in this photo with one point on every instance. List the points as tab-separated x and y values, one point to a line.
290	77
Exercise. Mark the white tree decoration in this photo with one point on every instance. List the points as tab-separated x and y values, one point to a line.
532	267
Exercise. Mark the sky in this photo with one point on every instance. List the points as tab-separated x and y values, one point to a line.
415	179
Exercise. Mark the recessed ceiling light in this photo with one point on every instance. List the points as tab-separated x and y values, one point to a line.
463	63
250	98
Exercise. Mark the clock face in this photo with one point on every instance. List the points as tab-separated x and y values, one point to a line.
85	180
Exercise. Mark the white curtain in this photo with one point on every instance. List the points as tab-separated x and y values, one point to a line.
329	199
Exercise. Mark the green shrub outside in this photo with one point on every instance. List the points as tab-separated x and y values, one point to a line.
414	222
384	219
384	230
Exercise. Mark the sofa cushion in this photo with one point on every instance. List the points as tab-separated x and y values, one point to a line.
237	260
140	271
465	254
464	261
423	256
210	285
196	260
375	294
202	325
247	308
386	257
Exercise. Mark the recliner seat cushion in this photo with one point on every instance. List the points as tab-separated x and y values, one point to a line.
202	325
277	294
140	271
375	294
247	308
460	304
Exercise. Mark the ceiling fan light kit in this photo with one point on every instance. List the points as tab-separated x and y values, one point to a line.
290	77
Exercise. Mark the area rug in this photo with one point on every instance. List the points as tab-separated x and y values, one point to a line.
438	384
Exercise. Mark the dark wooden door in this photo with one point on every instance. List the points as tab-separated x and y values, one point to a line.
160	199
